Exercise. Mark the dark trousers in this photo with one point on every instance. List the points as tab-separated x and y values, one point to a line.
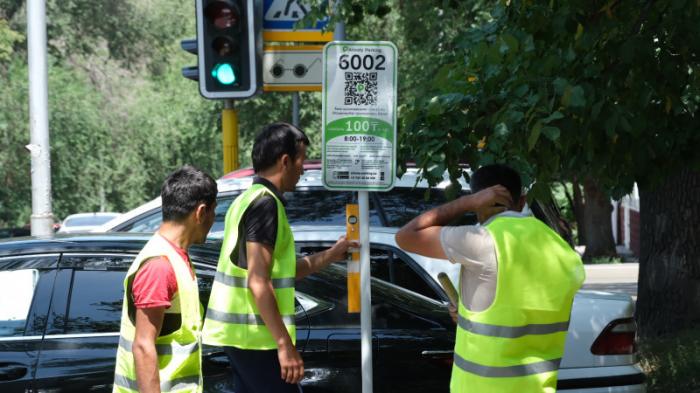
258	372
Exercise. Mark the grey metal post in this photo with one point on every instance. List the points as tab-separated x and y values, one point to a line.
39	148
365	293
365	278
295	108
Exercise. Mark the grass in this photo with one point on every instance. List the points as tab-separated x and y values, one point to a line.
672	364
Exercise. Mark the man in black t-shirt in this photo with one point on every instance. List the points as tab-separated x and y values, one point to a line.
259	222
278	156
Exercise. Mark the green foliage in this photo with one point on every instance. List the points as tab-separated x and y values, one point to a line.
559	195
8	38
607	89
14	135
121	115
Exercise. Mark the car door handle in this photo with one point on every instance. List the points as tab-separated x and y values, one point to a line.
437	354
11	372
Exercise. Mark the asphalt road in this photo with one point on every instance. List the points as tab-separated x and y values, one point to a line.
615	277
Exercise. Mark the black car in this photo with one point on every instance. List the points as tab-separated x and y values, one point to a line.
60	309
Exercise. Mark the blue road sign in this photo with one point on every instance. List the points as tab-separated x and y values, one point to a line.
280	16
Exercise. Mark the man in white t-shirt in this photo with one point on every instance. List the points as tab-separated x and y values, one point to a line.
517	283
469	245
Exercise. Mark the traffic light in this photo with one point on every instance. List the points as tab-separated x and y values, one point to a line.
229	48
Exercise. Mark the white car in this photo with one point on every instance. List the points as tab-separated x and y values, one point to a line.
312	204
85	222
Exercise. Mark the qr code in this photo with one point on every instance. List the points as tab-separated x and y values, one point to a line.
360	88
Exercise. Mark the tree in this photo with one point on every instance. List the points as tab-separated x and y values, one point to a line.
122	116
601	90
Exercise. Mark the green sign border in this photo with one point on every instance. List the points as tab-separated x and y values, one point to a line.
325	108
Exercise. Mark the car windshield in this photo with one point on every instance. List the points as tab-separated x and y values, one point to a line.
87	221
318	206
401	205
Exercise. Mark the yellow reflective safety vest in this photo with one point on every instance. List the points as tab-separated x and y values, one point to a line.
232	318
517	343
179	345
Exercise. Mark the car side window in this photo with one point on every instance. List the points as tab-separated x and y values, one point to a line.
403	274
149	223
390	306
322	207
95	301
387	265
222	205
16	294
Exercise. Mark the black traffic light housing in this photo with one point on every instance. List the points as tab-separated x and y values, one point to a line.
229	48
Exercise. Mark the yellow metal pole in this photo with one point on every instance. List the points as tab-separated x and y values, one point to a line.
229	126
352	226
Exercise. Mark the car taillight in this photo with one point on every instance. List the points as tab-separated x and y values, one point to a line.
618	338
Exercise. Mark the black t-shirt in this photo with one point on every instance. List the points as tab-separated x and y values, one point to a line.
259	223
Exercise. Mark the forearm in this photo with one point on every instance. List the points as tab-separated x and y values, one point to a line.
422	234
264	296
312	263
441	215
146	363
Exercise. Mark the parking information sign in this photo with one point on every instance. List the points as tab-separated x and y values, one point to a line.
359	115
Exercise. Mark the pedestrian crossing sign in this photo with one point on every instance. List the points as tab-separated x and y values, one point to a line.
280	17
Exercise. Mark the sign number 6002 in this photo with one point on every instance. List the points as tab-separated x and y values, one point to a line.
356	62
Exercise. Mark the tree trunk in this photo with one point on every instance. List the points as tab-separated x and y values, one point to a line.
579	212
597	222
669	264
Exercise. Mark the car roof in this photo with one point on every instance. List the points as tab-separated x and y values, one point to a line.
96	214
313	178
103	242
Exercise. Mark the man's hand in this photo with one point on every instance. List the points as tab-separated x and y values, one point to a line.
340	249
453	313
492	200
422	234
291	365
313	263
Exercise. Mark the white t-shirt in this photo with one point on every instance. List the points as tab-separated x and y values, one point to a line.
473	247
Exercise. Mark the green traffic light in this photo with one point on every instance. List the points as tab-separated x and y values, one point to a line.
224	73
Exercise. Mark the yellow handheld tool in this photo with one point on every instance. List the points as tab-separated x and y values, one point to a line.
352	216
449	288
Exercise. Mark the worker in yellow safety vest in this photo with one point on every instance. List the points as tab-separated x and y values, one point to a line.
160	336
517	283
251	306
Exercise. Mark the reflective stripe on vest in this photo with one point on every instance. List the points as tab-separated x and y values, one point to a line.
242	282
172	348
511	331
507	371
244	319
179	350
517	343
233	318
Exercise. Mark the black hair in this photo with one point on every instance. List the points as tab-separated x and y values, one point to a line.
183	190
274	141
491	175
